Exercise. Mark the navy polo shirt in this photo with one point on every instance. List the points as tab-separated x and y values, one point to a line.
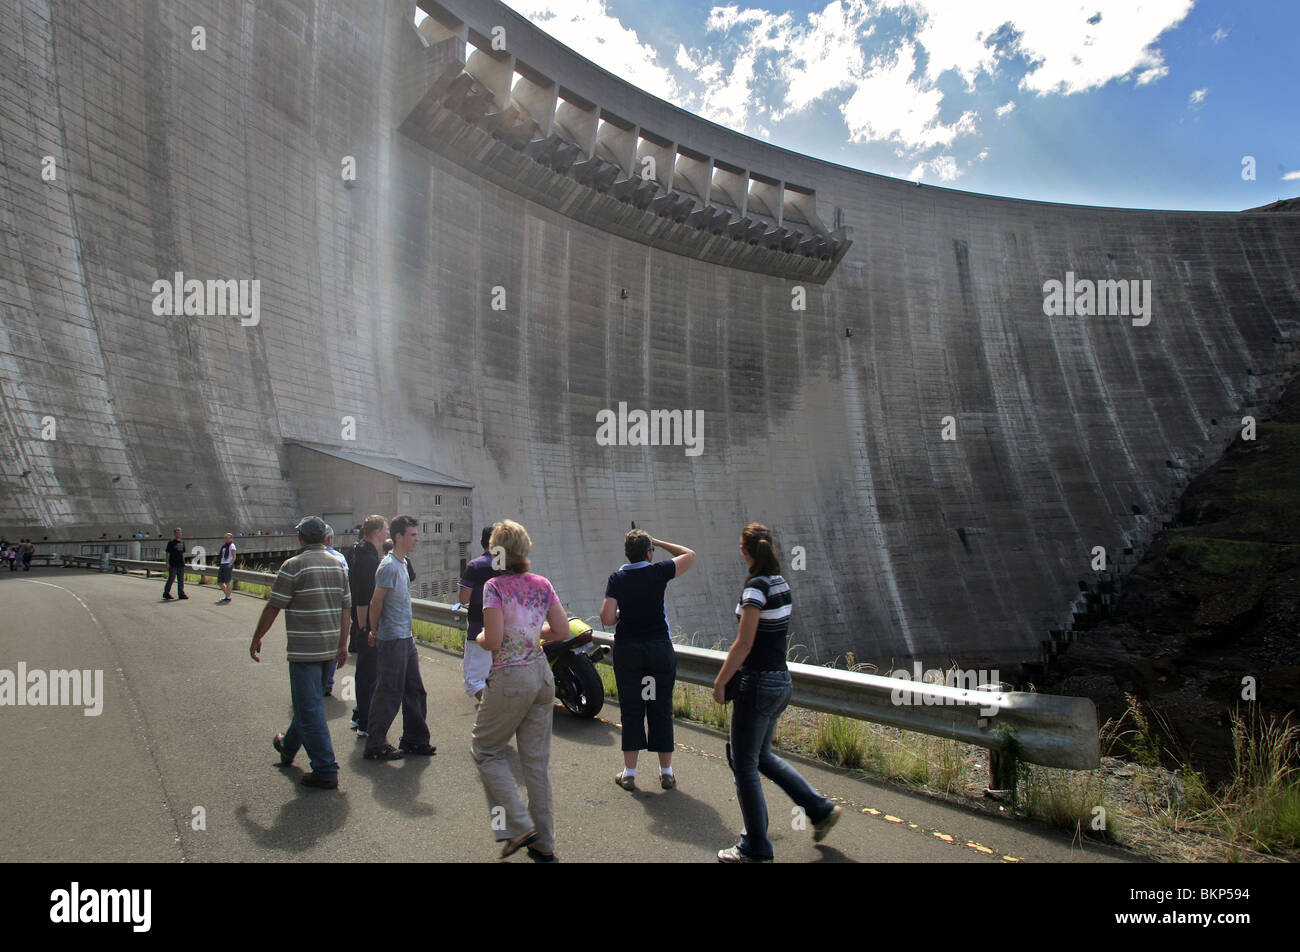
639	590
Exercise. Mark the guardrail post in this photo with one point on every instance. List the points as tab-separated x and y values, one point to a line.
1002	775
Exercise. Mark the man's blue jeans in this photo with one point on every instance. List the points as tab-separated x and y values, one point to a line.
308	728
760	699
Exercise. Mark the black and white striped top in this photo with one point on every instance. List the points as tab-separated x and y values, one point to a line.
770	594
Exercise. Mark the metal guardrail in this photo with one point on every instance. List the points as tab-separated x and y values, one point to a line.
1046	729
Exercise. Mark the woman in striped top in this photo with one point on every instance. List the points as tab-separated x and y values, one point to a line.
761	692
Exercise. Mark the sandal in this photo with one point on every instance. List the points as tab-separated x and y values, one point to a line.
519	842
627	783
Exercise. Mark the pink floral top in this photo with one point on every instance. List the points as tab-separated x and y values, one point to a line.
524	601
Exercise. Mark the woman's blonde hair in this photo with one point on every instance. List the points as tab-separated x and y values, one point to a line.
513	538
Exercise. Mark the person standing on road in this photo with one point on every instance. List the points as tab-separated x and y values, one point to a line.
226	567
645	665
478	660
175	550
361	576
398	682
757	659
518	698
29	550
312	588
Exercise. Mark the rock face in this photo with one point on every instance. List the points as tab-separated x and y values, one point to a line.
946	455
1211	617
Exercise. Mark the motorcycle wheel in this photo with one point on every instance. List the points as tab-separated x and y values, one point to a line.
578	686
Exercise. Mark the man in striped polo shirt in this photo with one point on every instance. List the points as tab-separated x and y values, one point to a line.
312	588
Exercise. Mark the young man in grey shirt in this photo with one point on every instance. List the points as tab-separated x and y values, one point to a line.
398	682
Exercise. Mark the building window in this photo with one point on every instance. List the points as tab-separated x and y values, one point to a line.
464	501
426	528
406	500
437	528
437	499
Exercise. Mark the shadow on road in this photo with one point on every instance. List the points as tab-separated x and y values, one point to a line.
675	815
593	732
302	821
395	783
829	854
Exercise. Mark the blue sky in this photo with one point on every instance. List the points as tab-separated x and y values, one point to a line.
1138	103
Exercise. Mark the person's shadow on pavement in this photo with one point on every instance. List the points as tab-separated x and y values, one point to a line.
302	820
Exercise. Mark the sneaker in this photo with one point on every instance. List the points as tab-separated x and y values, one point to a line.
361	732
821	829
627	783
184	598
424	750
278	743
352	724
384	753
732	854
167	598
667	780
312	780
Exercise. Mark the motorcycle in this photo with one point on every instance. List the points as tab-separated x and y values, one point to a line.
573	664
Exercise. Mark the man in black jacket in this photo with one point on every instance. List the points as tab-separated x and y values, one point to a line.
363	560
175	566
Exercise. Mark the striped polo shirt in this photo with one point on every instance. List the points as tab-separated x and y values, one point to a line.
312	589
770	594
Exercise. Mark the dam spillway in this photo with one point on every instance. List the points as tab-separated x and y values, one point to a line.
946	454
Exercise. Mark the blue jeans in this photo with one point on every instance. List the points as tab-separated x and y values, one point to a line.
634	661
327	677
308	728
760	699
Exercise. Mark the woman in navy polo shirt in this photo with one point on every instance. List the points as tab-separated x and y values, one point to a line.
645	666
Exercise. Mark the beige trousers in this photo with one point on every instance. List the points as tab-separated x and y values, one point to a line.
517	702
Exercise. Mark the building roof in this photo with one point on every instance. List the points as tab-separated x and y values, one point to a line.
404	470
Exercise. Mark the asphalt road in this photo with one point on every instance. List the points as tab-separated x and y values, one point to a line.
185	734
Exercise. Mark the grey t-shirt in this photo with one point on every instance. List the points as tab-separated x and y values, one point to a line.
395	622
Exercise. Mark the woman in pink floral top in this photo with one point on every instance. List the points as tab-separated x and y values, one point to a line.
519	696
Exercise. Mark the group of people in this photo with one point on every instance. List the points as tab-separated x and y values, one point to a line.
15	554
361	605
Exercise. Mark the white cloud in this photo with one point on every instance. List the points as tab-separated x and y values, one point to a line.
1072	45
1198	96
984	154
1152	74
886	104
944	166
1291	176
587	27
754	67
1219	35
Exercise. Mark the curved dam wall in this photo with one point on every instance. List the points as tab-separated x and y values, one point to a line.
377	303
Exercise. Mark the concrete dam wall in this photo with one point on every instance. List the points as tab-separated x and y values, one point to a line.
500	272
